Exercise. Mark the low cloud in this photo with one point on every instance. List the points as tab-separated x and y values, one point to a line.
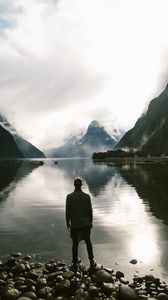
64	63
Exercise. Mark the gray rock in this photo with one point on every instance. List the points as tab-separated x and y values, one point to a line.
11	294
93	290
124	280
16	254
29	282
126	293
23	298
30	295
19	268
108	288
102	276
45	291
119	274
162	296
133	261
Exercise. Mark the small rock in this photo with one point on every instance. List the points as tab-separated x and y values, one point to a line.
102	276
28	257
133	261
16	254
162	296
127	293
30	295
33	275
149	277
23	298
119	274
11	294
93	290
124	280
108	288
68	274
19	268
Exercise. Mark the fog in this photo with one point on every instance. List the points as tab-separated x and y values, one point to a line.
65	63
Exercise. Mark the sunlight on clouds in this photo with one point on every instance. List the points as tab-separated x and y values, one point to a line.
106	56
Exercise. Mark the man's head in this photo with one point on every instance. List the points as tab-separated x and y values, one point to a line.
78	182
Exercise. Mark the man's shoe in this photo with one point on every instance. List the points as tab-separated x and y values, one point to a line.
92	263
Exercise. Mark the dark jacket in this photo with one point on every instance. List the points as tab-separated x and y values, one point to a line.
78	209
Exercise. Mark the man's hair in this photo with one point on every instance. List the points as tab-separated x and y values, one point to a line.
77	182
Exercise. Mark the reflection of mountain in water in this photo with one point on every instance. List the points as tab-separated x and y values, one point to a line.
150	181
13	171
96	177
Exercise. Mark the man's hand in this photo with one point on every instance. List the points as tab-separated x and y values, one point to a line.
68	228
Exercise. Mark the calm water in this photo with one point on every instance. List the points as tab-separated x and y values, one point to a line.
130	206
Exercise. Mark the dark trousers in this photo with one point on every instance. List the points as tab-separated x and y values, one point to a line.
81	234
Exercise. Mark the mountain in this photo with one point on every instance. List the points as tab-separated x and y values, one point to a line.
150	133
95	139
28	150
8	147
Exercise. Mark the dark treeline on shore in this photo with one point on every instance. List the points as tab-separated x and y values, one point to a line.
118	153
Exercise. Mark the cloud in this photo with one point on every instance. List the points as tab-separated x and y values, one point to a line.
64	63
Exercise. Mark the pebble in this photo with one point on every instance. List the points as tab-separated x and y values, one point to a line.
21	279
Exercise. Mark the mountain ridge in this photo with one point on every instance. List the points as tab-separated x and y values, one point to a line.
150	132
28	150
95	138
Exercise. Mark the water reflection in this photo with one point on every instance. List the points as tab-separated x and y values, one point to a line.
125	224
95	178
150	182
11	172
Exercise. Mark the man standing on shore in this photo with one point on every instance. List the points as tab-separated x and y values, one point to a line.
79	218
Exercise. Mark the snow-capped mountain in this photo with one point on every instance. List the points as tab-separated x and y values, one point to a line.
94	139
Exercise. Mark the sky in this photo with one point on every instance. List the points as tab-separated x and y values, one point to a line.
64	63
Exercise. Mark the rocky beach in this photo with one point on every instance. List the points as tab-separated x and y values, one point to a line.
24	278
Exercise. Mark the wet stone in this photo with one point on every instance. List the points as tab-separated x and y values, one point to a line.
162	296
11	294
33	275
102	276
16	254
19	268
28	257
44	292
133	261
93	290
30	295
108	288
119	274
127	293
23	298
124	280
68	275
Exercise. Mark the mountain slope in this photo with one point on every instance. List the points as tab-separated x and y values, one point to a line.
8	147
95	139
28	150
150	133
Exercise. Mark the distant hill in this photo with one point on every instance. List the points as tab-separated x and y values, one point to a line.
28	150
8	147
150	133
95	139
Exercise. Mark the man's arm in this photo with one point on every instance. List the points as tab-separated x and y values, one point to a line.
67	213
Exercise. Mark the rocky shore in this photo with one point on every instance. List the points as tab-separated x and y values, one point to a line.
23	278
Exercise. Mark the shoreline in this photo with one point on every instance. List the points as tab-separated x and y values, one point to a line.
23	277
131	160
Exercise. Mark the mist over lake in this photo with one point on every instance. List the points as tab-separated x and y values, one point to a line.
129	205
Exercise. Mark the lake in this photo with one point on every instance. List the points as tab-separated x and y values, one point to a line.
130	205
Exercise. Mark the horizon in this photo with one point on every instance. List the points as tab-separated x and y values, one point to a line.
65	63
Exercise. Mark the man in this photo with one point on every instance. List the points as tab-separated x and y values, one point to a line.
79	218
